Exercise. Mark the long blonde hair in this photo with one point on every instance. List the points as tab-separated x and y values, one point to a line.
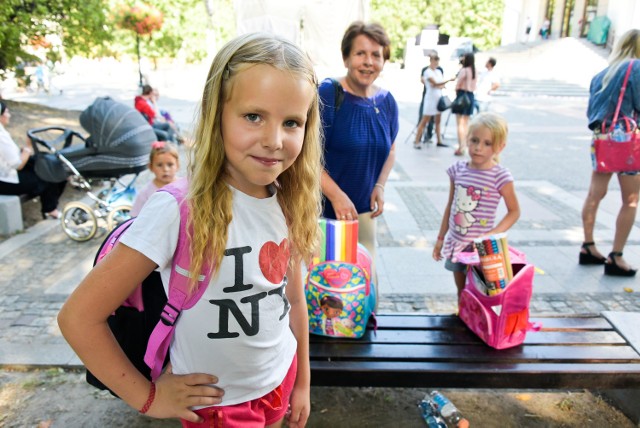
298	187
628	47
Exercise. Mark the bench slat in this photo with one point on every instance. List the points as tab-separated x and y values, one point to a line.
467	337
473	353
457	375
424	321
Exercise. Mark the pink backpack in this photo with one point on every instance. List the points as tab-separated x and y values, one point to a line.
502	320
145	322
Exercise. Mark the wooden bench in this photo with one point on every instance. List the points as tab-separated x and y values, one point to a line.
569	352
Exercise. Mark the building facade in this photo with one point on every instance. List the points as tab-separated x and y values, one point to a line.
567	18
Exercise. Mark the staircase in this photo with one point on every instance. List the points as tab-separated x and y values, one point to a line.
557	68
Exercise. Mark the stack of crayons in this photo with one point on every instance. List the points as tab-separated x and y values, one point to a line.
339	241
495	262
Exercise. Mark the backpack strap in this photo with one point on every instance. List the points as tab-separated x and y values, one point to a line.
178	297
338	94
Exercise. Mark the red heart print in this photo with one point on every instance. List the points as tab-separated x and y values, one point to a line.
273	260
337	278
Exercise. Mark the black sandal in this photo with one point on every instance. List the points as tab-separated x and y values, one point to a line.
612	268
588	258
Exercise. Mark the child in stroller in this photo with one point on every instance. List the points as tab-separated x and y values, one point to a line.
118	145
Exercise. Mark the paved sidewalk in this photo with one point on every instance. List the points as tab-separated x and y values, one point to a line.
39	268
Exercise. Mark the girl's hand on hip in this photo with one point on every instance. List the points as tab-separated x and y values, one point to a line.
176	394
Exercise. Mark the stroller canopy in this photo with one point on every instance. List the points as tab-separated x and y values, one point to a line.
116	128
119	143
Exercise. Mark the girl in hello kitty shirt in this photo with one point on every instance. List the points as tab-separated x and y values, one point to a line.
477	185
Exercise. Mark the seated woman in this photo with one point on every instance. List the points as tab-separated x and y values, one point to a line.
145	104
17	174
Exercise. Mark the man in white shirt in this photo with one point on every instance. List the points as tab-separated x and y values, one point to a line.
488	83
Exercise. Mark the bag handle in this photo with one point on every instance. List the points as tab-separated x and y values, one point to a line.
621	96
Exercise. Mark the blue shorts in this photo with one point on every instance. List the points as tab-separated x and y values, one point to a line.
455	266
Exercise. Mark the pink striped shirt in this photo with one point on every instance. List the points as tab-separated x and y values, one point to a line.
475	202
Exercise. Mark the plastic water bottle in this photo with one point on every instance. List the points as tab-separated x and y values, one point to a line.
619	135
448	411
430	414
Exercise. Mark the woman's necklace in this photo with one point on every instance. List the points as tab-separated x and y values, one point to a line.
371	101
375	107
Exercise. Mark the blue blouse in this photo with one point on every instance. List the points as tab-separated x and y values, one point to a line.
602	105
358	140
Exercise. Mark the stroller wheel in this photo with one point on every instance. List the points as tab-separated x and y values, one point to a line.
79	222
118	215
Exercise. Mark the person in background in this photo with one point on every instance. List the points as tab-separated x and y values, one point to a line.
466	84
603	98
488	83
155	96
17	173
432	122
545	29
360	135
145	104
164	162
434	80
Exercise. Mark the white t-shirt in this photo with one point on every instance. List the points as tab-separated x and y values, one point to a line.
9	157
239	329
485	81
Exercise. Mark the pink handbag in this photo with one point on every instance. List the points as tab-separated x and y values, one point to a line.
502	320
618	149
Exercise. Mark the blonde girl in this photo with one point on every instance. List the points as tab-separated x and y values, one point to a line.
164	162
477	185
240	355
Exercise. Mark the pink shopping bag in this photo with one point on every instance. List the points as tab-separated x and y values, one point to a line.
501	320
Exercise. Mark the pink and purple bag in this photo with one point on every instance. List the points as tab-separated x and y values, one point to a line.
501	320
144	323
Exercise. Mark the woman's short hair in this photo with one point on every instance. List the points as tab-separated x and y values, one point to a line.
374	31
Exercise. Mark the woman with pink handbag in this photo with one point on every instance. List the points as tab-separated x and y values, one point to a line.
614	89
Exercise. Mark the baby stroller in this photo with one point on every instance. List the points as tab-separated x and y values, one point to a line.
119	144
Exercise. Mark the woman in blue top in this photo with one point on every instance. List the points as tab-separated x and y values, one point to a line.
604	93
359	132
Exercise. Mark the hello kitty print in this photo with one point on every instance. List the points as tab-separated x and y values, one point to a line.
475	202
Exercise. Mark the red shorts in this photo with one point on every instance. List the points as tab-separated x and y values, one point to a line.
256	413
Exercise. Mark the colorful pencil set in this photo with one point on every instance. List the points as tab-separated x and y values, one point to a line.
339	240
495	262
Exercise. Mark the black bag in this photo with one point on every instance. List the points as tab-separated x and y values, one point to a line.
130	326
461	103
444	103
49	168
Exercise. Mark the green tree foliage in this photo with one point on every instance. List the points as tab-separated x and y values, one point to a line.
480	20
80	24
191	30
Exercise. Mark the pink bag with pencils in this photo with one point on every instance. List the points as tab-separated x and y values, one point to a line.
495	301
